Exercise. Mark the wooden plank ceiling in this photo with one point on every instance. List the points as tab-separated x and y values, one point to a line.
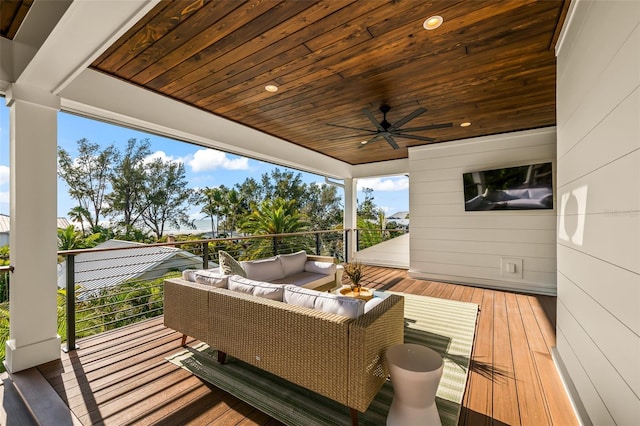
12	14
490	63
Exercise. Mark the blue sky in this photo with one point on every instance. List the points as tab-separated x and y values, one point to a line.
204	166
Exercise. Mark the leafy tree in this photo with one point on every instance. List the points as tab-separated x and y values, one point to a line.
367	209
79	215
88	176
165	196
215	206
323	207
251	192
236	208
128	183
70	239
277	216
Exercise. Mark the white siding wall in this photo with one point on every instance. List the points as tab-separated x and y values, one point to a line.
598	111
449	244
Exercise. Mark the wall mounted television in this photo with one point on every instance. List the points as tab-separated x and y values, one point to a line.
509	188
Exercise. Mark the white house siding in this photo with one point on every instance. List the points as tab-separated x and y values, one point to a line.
598	111
450	244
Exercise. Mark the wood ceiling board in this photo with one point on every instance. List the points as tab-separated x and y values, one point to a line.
12	14
219	40
489	63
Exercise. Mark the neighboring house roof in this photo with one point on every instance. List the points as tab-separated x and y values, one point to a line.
96	270
5	223
399	215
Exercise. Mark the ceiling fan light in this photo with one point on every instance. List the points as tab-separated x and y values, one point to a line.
465	124
432	22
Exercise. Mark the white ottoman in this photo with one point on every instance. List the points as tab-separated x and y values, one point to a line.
415	374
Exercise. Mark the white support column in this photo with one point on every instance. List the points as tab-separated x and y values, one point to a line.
33	338
350	212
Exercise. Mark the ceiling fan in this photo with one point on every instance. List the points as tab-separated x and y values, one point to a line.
389	131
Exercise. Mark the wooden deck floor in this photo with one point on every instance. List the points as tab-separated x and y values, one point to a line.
122	377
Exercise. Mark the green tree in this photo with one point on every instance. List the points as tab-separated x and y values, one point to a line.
215	206
237	207
166	196
79	215
70	239
277	216
367	209
88	176
128	181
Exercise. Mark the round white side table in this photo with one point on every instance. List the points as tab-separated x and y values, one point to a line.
415	374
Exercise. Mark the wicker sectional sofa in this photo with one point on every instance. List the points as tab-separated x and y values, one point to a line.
337	356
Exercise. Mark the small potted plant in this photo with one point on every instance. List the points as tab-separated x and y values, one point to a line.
354	272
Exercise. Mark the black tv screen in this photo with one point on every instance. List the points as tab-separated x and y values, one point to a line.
509	188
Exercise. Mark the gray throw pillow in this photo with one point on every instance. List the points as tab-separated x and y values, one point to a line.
230	266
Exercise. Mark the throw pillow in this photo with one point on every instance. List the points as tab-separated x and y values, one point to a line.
230	266
293	263
268	269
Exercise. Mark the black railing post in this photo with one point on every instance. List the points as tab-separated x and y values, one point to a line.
205	255
357	239
346	246
71	304
318	244
275	246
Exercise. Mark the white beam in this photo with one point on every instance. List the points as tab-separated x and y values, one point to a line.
86	29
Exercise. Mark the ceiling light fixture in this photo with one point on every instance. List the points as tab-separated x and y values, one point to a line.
271	88
465	124
433	22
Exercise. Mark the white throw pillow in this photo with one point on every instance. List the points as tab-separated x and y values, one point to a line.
256	288
213	278
293	263
326	268
349	307
263	269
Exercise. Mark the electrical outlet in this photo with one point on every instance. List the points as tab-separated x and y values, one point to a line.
511	267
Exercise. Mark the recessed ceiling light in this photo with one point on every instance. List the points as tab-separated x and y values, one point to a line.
465	124
433	22
364	142
271	88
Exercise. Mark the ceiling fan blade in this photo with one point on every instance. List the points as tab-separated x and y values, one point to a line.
418	138
392	142
351	128
431	127
370	116
408	118
362	145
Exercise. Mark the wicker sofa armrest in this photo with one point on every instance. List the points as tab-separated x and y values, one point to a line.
369	338
186	307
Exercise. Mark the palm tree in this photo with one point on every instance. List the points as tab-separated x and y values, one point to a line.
70	239
79	214
273	217
214	207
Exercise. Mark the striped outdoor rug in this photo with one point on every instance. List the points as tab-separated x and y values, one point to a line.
446	326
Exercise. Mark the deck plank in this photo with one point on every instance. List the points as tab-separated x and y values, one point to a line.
122	377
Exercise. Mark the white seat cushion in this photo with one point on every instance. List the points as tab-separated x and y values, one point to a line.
317	267
349	307
256	288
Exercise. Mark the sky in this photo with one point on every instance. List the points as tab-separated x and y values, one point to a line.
204	167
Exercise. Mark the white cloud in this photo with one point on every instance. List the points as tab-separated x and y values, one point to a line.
164	157
384	184
4	175
211	159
